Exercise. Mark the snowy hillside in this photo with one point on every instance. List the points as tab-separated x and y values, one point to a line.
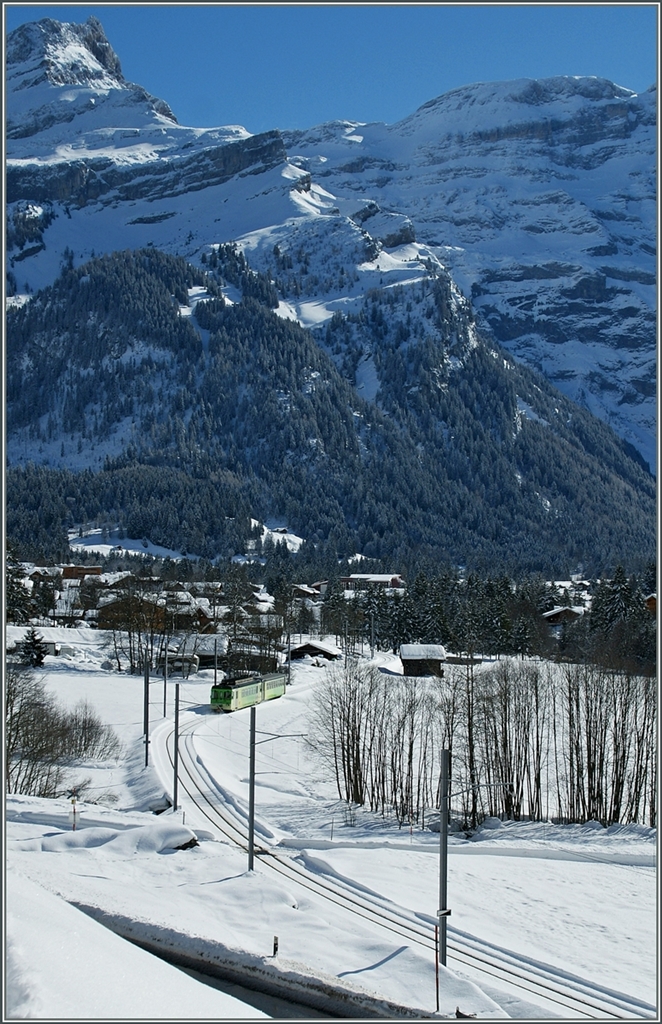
394	432
538	197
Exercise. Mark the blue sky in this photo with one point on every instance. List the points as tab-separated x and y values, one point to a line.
296	65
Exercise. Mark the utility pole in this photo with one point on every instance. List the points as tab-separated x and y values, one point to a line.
251	793
269	738
175	760
165	681
443	913
146	707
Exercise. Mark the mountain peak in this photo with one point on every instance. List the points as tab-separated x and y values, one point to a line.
57	70
564	93
64	54
588	87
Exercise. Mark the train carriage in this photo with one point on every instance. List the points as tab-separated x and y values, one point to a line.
242	693
274	685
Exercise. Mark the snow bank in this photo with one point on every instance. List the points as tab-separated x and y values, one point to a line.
284	978
157	838
63	965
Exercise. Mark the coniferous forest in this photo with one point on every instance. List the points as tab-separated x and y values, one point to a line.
180	422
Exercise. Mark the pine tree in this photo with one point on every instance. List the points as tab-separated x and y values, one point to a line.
618	596
522	638
32	649
17	598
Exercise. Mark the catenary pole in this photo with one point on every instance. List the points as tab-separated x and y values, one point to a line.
443	911
251	793
165	682
175	759
146	707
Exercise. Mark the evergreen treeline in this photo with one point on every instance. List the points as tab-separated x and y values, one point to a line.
209	516
237	411
497	615
470	615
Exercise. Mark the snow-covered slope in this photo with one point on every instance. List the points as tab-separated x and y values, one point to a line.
541	913
58	73
537	196
540	198
79	134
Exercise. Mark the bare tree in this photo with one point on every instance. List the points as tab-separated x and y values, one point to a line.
42	739
506	727
34	735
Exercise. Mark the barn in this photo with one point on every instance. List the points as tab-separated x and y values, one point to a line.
314	649
422	659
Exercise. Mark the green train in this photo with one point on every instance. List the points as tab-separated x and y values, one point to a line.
241	693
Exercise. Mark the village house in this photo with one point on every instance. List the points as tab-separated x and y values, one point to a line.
79	572
305	593
422	659
557	616
119	611
42	573
368	580
314	649
209	648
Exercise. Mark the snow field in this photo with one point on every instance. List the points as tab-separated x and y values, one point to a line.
581	899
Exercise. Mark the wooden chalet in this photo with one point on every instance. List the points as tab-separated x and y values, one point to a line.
422	659
557	616
368	580
314	649
79	572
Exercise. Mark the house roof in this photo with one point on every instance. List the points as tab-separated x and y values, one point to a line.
575	610
326	649
203	643
422	652
374	577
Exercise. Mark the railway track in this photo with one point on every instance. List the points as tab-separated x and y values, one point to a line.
563	995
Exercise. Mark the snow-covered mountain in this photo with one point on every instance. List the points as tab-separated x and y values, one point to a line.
540	197
537	196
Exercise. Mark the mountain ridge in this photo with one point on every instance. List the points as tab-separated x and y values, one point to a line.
414	254
139	360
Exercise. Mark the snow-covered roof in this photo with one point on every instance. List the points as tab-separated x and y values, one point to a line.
319	645
110	579
204	643
305	589
374	577
80	635
422	652
574	610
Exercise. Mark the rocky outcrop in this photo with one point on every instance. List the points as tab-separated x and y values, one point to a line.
46	55
82	182
539	197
